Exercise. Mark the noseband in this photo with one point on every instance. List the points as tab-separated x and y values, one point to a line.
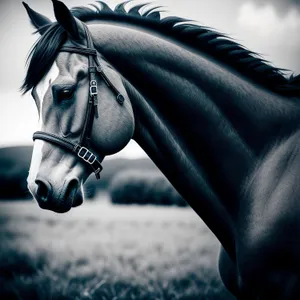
81	149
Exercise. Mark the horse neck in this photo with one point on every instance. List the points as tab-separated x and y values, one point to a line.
196	119
170	75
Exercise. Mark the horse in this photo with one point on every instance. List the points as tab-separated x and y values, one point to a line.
218	120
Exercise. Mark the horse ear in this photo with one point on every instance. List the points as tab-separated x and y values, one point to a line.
65	18
37	20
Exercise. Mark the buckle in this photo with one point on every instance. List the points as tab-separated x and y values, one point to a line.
87	155
93	88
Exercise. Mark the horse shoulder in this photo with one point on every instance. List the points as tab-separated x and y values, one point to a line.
269	224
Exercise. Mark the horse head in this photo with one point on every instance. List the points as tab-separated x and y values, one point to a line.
63	94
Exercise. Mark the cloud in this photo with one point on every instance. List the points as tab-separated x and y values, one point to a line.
282	6
281	2
269	32
265	21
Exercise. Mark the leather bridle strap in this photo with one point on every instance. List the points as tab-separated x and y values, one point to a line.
81	149
79	50
82	152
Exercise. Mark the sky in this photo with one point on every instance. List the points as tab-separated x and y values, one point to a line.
269	27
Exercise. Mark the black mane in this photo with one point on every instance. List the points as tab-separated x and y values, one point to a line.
202	38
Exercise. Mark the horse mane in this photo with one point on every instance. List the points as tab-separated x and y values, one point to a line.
204	39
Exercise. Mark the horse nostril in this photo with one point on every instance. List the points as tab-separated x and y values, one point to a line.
43	190
71	189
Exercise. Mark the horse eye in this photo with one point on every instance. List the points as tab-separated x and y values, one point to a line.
66	93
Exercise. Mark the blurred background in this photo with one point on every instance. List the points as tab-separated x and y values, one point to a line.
135	237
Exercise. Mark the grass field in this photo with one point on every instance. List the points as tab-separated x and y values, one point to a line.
99	251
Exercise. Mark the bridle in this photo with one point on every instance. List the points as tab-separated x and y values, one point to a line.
81	149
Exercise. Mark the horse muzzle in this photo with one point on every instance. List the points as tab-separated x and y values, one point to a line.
58	199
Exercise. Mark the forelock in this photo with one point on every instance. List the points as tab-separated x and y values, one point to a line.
43	55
